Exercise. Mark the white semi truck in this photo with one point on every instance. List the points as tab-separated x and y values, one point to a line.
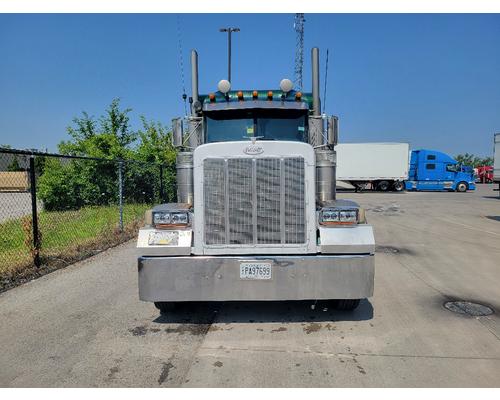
257	217
379	166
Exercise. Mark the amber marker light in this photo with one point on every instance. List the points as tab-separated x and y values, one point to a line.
270	95
211	96
240	95
255	94
298	96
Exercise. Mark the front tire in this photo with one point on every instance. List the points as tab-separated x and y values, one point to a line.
462	187
347	304
165	306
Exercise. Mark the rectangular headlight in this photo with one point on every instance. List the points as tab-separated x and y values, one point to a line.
349	216
161	218
179	218
167	219
331	216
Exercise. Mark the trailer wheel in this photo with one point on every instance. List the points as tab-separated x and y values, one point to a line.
347	304
398	186
462	187
165	306
383	186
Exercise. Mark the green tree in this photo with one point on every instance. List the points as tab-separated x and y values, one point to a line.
14	165
156	152
71	184
108	137
472	160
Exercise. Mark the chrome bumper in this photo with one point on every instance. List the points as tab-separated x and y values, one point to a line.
216	278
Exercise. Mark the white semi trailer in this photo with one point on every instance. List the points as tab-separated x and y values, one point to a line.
257	217
380	166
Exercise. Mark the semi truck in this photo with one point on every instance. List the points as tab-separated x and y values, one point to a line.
432	170
257	218
379	166
484	174
496	160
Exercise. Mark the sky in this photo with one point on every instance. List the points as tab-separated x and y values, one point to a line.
432	80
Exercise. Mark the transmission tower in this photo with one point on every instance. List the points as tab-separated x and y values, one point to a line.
298	25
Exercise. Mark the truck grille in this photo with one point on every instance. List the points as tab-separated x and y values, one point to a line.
254	201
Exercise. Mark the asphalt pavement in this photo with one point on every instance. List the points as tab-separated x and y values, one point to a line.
84	325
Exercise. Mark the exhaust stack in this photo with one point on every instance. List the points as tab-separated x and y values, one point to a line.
194	83
315	81
326	162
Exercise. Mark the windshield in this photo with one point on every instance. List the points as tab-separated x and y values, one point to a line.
232	125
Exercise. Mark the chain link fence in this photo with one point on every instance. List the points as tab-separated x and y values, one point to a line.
57	209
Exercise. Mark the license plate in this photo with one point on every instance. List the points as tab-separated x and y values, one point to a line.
256	270
163	238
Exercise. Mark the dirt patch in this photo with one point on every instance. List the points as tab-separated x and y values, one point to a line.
312	327
112	372
218	364
192	329
139	330
165	370
280	329
393	250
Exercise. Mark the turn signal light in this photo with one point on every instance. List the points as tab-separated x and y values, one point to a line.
240	95
211	96
255	94
270	95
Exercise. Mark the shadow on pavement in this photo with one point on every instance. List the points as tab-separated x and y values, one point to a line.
494	217
263	311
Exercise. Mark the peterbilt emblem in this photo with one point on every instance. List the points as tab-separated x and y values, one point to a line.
253	150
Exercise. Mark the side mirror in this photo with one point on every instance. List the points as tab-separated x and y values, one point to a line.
177	132
333	130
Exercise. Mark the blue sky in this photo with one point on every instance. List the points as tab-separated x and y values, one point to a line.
431	80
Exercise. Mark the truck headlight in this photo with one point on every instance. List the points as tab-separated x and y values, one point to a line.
332	216
161	218
179	218
166	219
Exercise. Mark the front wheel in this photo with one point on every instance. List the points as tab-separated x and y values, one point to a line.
462	187
347	304
165	306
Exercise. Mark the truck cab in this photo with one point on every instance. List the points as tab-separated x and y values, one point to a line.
257	216
432	170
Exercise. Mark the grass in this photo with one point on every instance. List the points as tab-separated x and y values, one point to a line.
65	236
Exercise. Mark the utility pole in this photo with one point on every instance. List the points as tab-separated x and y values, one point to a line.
229	31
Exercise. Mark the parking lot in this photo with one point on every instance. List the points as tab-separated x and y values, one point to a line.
84	325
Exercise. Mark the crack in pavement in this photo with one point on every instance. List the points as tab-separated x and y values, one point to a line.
348	355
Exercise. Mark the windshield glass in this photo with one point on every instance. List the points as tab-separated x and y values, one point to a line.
232	125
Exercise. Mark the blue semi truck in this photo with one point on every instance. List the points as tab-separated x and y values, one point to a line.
435	171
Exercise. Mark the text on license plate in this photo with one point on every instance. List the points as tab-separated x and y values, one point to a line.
256	270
